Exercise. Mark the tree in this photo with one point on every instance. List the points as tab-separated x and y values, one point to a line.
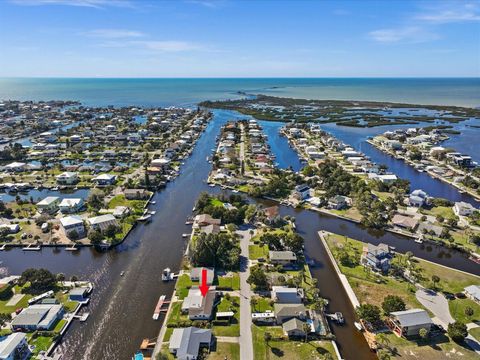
41	280
306	330
423	333
369	312
457	331
382	339
384	354
435	281
95	237
254	303
4	317
392	303
267	337
469	311
111	230
258	278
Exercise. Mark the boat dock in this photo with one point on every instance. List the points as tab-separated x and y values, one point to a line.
32	247
82	317
160	307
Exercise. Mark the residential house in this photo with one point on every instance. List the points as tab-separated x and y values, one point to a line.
405	222
286	295
377	257
285	312
104	179
271	213
301	192
418	198
339	202
121	212
284	258
78	293
206	219
473	292
196	274
135	194
72	225
49	204
38	317
102	222
384	178
409	322
425	227
14	347
185	343
463	209
294	328
16	167
197	306
67	178
70	206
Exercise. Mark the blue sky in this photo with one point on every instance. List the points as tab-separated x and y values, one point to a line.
226	38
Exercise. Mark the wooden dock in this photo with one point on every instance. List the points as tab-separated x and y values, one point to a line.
160	307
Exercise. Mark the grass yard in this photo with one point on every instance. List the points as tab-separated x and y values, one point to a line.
182	286
224	351
216	202
257	251
41	343
457	310
59	326
263	304
231	282
475	332
232	304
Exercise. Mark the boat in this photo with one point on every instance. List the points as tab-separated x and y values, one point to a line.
339	318
185	235
153	202
211	185
145	218
152	212
358	326
418	240
122	273
235	191
167	274
158	308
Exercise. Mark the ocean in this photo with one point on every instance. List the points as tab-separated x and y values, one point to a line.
188	92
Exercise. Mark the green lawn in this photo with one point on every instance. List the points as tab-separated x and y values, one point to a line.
21	304
59	326
475	332
224	351
263	304
232	304
285	349
41	343
258	251
216	202
229	282
457	310
183	284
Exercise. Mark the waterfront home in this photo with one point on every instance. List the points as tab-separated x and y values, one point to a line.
104	179
135	194
185	343
11	228
393	144
286	295
67	178
102	222
197	306
377	257
301	192
384	178
196	274
48	205
418	198
78	293
405	222
285	312
272	214
47	137
294	328
72	225
162	163
409	322
38	317
14	347
284	258
459	159
206	219
69	206
339	202
121	212
473	292
16	167
463	209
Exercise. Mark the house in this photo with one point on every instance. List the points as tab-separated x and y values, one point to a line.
71	225
49	204
69	206
271	213
376	257
11	228
473	292
384	178
104	179
286	295
121	211
16	167
205	219
418	198
405	222
78	293
38	317
185	343
294	328
197	306
459	159
428	228
301	192
211	229
102	222
339	202
135	194
67	178
463	209
196	274
409	322
14	347
393	144
284	258
285	312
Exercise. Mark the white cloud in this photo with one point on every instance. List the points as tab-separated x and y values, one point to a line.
453	13
114	33
169	45
78	3
409	34
213	4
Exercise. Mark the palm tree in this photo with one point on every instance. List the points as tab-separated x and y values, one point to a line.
382	339
306	330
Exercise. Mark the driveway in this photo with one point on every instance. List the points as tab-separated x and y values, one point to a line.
437	304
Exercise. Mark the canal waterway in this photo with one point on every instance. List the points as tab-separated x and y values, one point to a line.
121	307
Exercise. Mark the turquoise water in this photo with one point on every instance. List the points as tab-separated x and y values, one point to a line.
188	92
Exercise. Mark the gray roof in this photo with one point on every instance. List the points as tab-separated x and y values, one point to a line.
473	290
187	341
282	255
293	324
285	310
36	315
9	343
412	317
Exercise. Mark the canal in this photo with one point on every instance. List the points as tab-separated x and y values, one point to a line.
121	307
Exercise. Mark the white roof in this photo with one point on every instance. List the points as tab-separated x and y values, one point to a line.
105	177
67	174
10	343
70	202
15	165
48	200
101	219
71	220
473	290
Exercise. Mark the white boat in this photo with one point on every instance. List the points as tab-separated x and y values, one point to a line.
358	326
211	185
418	240
235	191
153	202
167	274
122	273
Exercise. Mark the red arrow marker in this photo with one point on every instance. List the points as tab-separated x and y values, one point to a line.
204	287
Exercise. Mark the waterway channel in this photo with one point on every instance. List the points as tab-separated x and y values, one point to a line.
121	308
